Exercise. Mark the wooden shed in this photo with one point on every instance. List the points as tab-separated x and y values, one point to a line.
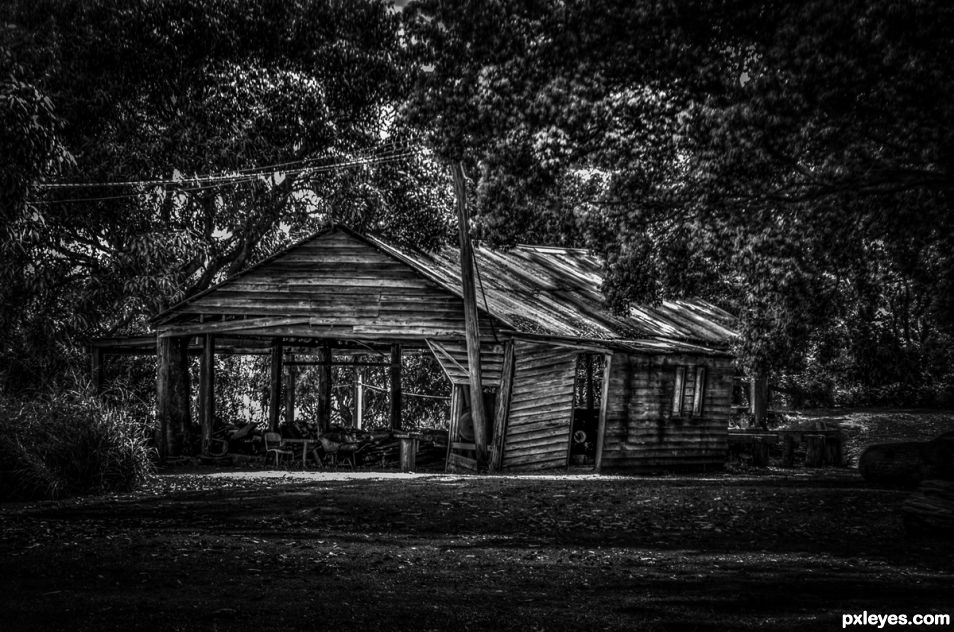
567	380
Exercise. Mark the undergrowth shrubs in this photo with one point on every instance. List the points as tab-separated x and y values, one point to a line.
70	442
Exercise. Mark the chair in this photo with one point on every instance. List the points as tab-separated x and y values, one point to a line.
274	446
339	452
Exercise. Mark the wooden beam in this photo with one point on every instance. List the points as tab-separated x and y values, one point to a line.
228	326
275	391
471	326
290	393
207	391
324	387
502	411
334	363
396	387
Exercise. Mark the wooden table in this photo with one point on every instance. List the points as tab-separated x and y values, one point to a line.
305	445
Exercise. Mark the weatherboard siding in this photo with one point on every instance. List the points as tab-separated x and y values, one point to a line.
640	431
541	408
341	286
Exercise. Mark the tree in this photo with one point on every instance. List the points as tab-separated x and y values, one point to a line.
789	161
165	91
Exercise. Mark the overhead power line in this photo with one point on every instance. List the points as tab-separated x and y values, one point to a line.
246	173
200	183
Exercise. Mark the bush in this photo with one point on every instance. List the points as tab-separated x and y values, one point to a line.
71	442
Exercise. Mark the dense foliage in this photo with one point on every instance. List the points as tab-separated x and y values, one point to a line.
789	160
271	95
70	441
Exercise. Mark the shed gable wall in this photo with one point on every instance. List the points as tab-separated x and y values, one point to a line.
342	285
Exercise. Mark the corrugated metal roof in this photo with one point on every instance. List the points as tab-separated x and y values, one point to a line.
551	291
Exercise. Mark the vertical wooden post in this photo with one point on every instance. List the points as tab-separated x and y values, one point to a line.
409	447
96	368
395	386
207	391
359	396
502	411
173	396
759	399
471	326
604	405
275	391
324	387
290	394
588	360
163	395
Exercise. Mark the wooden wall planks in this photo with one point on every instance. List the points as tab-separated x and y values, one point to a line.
541	408
343	284
641	434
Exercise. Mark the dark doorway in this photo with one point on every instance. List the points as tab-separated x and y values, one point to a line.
587	401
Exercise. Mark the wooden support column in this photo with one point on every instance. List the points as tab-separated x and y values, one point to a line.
324	388
502	411
471	326
759	399
395	386
275	391
96	368
173	396
358	396
290	393
588	360
207	391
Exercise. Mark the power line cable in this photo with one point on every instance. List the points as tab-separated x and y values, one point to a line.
175	185
237	174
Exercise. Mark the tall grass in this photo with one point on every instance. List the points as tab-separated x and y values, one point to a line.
69	442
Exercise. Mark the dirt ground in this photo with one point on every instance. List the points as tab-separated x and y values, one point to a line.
257	551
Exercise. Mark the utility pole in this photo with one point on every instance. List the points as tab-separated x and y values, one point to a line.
471	328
